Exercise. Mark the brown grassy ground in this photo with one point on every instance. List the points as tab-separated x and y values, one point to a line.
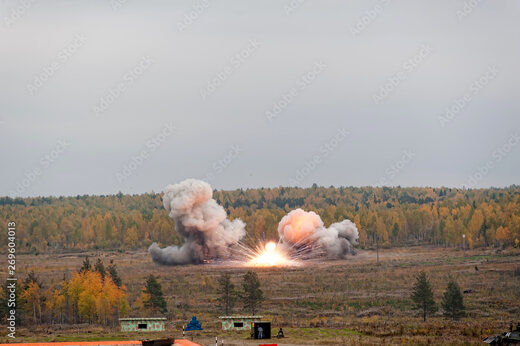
352	301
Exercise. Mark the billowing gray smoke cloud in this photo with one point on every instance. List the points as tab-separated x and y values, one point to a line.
200	221
300	229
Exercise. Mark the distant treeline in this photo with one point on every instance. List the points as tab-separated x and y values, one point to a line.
394	216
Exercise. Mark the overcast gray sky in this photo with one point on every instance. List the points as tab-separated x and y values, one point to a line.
104	96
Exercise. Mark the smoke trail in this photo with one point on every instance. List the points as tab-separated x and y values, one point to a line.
202	223
300	229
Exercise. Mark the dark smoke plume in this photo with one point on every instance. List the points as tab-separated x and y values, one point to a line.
201	222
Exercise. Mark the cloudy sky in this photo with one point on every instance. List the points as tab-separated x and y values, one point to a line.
104	96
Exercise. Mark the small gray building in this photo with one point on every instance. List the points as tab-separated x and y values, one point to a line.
142	324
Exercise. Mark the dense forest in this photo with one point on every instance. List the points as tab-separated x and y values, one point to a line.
394	216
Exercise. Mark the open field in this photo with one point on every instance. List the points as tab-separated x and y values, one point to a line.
353	301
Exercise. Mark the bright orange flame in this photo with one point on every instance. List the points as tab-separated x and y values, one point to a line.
270	256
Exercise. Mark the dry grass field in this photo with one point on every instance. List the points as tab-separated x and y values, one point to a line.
353	301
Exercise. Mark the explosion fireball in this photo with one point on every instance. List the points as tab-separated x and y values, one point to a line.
305	232
270	256
208	235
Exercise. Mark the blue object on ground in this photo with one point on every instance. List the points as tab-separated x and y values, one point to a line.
193	325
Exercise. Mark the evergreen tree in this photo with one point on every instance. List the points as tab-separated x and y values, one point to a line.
100	268
227	293
155	299
86	265
31	278
112	270
422	295
452	301
252	295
